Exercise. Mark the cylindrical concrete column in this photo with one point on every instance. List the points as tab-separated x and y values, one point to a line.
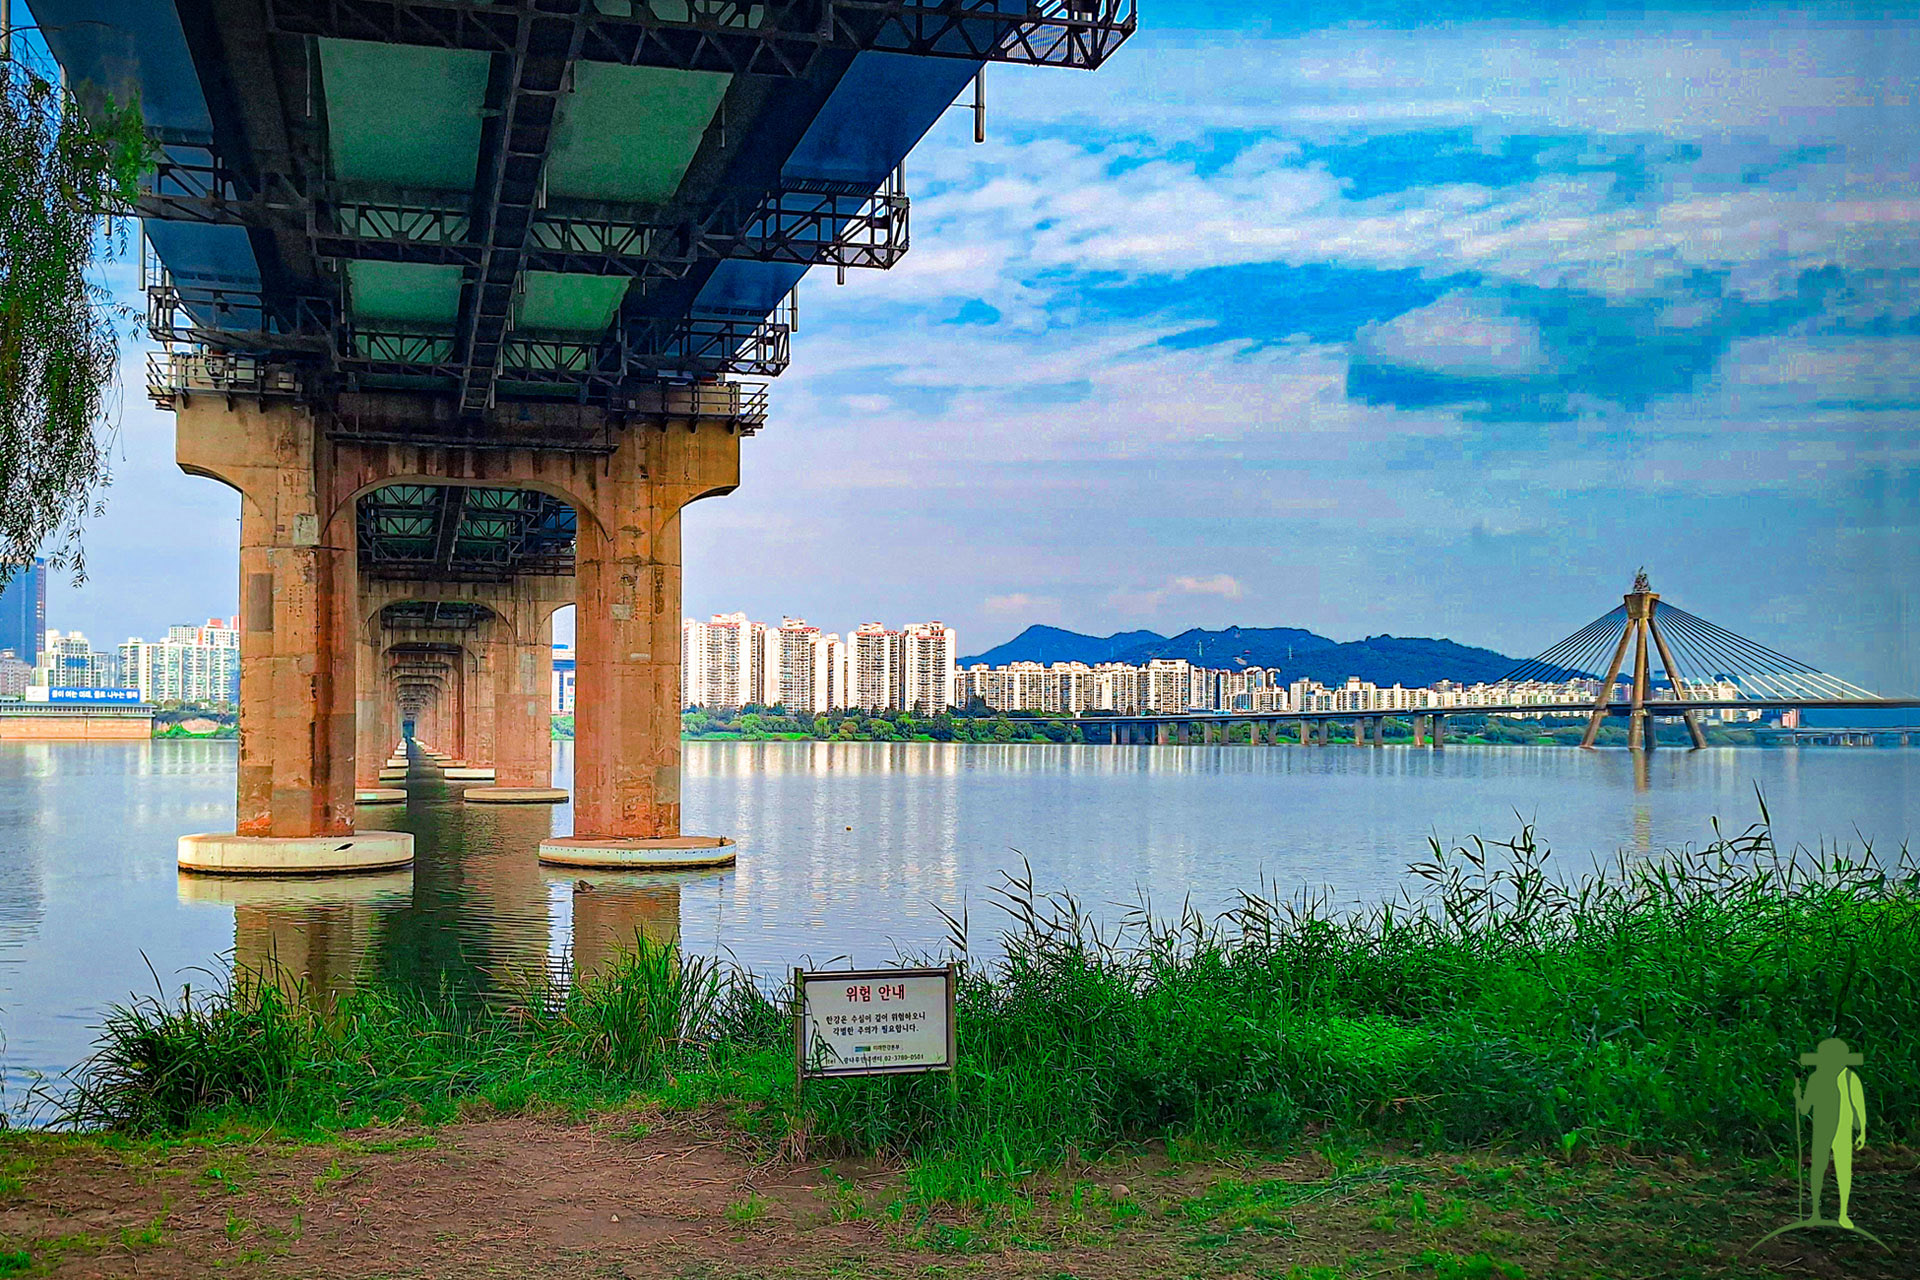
480	730
373	739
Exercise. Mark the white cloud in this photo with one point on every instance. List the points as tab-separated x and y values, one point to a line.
1020	602
1154	600
1220	584
1462	334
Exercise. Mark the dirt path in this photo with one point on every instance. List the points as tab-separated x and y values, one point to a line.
676	1196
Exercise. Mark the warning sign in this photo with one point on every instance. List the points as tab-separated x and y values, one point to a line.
873	1021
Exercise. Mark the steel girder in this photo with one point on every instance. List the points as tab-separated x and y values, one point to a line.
435	615
451	533
767	38
809	223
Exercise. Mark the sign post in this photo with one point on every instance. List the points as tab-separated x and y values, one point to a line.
869	1022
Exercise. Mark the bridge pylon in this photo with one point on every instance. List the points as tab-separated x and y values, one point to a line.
1730	672
1642	633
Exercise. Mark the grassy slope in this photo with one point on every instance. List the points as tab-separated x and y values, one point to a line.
1665	1004
1659	1009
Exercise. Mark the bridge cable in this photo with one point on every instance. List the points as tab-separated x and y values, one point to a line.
1731	664
1576	652
1704	667
1783	678
1812	677
1595	635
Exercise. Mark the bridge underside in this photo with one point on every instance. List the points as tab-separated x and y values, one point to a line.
543	201
459	295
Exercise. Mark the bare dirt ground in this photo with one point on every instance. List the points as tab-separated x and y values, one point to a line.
683	1196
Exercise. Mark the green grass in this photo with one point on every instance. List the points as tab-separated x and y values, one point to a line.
744	1213
1657	1004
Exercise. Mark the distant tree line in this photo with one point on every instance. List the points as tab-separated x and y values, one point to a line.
980	723
976	723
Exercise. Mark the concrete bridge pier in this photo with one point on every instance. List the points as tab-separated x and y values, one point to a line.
295	793
496	639
519	655
627	667
1439	732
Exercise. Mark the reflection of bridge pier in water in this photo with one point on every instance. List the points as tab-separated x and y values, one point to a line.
308	936
480	918
610	910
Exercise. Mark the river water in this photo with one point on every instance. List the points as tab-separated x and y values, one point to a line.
847	850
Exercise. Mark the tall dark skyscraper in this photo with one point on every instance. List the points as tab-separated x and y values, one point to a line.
23	611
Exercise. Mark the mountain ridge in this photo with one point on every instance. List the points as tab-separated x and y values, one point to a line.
1044	644
1412	661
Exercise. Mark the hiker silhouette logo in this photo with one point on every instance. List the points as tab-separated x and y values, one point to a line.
1835	1105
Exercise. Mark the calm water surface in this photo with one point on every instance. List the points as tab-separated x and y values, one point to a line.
847	849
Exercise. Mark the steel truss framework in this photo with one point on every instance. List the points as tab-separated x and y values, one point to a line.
262	325
768	38
302	327
808	223
453	533
435	615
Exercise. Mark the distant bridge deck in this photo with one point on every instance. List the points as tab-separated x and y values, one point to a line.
1666	707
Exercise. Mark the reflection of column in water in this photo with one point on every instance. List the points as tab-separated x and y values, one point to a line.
611	911
503	887
310	936
1642	814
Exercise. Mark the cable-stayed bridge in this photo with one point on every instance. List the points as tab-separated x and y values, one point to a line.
1643	660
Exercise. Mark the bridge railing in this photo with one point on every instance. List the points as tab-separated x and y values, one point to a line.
177	372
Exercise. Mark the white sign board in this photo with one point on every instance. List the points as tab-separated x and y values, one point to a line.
873	1021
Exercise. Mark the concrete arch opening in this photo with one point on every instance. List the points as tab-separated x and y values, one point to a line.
469	577
335	529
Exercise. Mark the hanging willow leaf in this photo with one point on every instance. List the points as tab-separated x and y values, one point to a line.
65	173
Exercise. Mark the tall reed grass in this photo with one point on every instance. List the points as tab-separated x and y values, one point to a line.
1659	1002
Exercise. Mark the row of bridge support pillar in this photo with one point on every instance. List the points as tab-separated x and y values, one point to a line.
482	693
314	697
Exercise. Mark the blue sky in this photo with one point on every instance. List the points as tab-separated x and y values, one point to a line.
1431	320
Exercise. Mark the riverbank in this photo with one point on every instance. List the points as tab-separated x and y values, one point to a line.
654	1192
1658	1002
1655	1012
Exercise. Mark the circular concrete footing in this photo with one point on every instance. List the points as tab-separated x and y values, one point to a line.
294	855
467	773
281	892
514	795
379	795
612	851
